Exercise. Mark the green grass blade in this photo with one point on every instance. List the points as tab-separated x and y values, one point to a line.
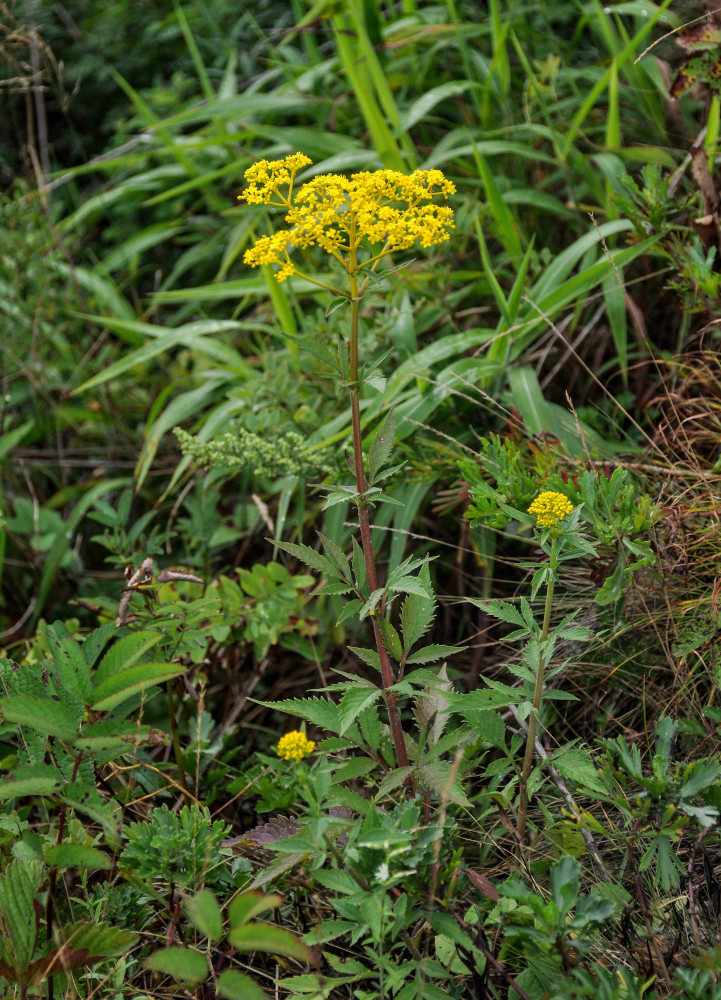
359	79
203	78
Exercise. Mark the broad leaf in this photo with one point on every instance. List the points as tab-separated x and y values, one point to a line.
432	707
188	966
18	886
41	714
417	614
97	939
124	653
249	905
76	856
274	940
49	782
234	985
121	686
205	913
70	664
353	703
87	799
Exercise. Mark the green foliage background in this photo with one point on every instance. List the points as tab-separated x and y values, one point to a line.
565	337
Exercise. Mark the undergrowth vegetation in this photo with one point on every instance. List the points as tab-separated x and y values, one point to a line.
359	501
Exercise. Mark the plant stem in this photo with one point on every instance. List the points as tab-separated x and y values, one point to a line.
537	694
387	676
53	880
176	739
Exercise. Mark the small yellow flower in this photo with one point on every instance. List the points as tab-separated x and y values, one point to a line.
550	508
295	746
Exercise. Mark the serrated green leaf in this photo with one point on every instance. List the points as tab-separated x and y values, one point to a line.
370	726
575	633
205	913
70	666
576	765
373	601
99	938
393	780
439	777
109	735
22	787
124	653
18	886
337	590
336	556
351	608
336	497
369	656
407	585
320	711
188	966
356	767
391	639
310	557
486	724
41	714
96	641
249	905
87	800
436	651
432	707
353	703
234	985
381	445
443	923
122	685
502	610
274	940
76	856
359	568
417	614
698	776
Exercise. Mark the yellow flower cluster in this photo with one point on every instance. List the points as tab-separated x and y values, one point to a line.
295	746
550	508
339	213
266	177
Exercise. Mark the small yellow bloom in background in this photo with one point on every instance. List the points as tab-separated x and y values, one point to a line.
295	746
550	508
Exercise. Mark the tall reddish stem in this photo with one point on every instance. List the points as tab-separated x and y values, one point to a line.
387	675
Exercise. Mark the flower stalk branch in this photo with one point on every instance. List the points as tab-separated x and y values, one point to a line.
537	695
550	509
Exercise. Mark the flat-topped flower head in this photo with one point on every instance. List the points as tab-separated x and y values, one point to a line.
266	177
381	210
295	746
550	508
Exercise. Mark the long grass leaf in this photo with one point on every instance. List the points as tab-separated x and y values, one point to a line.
623	57
54	557
203	78
385	145
193	335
